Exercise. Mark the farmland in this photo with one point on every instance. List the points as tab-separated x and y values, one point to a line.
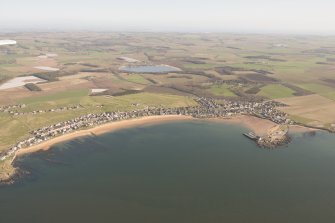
314	110
221	90
276	91
297	71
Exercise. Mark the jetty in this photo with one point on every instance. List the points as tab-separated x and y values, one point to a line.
251	135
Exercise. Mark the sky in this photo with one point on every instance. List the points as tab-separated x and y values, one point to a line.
250	16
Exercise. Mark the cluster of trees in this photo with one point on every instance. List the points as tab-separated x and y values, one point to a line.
52	76
48	76
33	87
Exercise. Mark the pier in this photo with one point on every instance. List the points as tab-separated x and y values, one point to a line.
251	136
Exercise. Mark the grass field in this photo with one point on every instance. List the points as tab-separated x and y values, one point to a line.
330	95
221	90
317	88
137	78
301	120
274	91
320	89
66	97
200	66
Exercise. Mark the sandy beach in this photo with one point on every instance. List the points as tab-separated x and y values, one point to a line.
257	125
113	126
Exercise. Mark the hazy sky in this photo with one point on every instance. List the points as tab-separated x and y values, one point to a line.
293	16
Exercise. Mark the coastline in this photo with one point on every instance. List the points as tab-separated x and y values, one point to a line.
255	124
101	129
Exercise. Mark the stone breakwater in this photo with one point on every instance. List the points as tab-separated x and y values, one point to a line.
207	108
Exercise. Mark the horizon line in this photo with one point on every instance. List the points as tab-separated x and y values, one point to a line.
236	32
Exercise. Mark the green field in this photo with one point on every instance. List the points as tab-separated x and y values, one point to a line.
67	97
276	91
317	88
330	95
221	90
300	119
320	89
200	66
137	78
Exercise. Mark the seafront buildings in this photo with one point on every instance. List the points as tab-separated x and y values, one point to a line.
207	108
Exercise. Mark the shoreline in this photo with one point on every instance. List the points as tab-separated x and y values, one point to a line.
101	129
255	124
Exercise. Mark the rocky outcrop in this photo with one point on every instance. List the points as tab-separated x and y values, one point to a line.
276	136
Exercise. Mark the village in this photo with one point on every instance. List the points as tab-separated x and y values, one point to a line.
207	108
14	109
9	108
